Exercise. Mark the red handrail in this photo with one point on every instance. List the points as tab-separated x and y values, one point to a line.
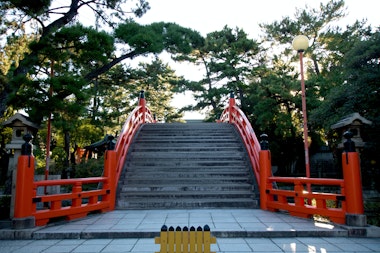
77	208
234	115
140	115
345	200
79	201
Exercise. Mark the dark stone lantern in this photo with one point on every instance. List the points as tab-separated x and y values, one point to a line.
351	123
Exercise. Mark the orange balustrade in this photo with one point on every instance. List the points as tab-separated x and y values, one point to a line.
26	197
140	115
296	199
334	206
77	202
232	114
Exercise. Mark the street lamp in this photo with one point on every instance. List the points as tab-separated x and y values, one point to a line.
301	43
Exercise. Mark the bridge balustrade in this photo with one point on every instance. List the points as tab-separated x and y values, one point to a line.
140	115
344	206
234	115
78	201
347	201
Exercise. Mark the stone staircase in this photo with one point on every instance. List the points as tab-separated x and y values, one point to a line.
194	165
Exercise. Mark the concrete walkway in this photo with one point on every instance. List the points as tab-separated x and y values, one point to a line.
236	230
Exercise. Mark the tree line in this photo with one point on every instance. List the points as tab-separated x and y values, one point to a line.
84	76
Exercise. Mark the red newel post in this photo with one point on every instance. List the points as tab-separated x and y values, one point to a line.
265	171
352	179
110	174
231	107
24	187
142	103
352	184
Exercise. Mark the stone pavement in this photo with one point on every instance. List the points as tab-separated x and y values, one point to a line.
236	230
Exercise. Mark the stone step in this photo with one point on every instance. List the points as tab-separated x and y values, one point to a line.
187	174
188	203
174	156
198	169
185	181
181	165
188	141
184	194
186	166
185	148
189	187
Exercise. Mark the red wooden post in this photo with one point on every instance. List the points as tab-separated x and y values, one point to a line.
76	191
299	200
231	107
352	182
24	193
265	172
24	186
110	174
265	165
142	103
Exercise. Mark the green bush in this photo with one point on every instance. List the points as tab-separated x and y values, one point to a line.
90	168
372	211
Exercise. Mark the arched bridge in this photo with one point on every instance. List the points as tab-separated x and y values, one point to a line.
195	165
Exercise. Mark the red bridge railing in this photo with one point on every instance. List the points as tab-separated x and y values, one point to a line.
140	115
81	197
80	201
344	204
234	115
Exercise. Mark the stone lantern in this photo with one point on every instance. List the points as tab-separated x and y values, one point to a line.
353	123
21	126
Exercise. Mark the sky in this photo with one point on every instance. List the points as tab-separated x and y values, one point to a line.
212	15
207	16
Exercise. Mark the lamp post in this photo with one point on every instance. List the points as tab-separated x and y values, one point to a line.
301	43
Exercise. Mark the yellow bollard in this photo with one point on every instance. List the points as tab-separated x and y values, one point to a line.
178	240
207	239
171	240
192	239
162	240
199	241
185	241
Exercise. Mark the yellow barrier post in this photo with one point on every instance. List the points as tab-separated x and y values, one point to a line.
207	239
199	240
170	245
178	240
192	239
162	240
184	241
